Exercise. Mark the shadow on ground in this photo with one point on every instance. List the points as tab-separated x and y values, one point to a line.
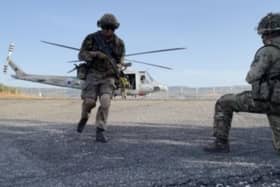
35	153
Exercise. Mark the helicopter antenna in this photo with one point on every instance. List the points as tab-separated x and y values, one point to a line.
10	51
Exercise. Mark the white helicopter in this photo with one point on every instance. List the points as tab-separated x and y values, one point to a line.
141	82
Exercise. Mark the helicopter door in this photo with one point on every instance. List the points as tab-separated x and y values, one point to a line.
131	80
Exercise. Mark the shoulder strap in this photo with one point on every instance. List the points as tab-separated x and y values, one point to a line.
102	46
105	49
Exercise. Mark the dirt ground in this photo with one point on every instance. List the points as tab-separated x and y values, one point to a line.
151	143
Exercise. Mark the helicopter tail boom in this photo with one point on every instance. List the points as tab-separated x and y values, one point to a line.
19	72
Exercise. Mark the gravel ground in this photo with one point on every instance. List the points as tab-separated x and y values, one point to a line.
151	143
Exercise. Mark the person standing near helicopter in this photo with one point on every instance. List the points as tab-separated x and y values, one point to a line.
103	52
124	85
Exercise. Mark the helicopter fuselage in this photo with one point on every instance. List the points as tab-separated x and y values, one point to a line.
141	83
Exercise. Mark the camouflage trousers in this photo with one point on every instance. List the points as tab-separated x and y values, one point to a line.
123	93
243	102
92	90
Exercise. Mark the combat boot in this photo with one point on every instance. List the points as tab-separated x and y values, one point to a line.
100	137
81	125
218	146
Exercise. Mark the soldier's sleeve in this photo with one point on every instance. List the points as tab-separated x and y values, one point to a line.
122	53
86	47
260	64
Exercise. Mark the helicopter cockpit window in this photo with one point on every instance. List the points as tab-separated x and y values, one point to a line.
149	77
143	79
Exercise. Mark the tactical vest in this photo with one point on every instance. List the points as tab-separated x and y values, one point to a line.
112	48
104	68
268	87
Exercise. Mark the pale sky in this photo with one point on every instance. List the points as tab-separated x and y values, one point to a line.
220	36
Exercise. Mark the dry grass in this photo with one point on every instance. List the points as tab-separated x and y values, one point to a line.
7	95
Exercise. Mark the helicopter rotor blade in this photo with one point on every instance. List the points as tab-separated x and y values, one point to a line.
131	54
149	64
156	51
133	61
73	69
74	61
60	45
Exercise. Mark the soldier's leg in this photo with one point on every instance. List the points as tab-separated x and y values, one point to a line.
274	121
122	93
224	109
103	111
89	96
105	96
87	105
102	116
125	93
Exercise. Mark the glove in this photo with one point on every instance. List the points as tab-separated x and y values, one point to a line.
97	54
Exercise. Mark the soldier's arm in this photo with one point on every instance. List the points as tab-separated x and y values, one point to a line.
87	45
260	64
121	49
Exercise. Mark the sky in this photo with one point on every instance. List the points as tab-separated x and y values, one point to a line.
220	36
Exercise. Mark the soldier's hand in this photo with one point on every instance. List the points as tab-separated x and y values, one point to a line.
120	66
101	55
86	56
97	54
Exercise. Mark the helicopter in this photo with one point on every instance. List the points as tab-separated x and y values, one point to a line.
141	82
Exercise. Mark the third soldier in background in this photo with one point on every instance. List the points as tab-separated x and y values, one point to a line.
103	52
264	77
124	85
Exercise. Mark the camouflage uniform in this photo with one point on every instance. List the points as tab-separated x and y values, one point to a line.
100	78
124	84
264	73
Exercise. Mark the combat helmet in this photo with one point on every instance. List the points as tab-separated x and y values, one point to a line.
269	24
108	20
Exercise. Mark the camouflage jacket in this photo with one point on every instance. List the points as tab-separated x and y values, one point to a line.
264	74
265	58
115	46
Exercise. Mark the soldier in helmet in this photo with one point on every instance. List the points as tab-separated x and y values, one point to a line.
102	51
264	98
